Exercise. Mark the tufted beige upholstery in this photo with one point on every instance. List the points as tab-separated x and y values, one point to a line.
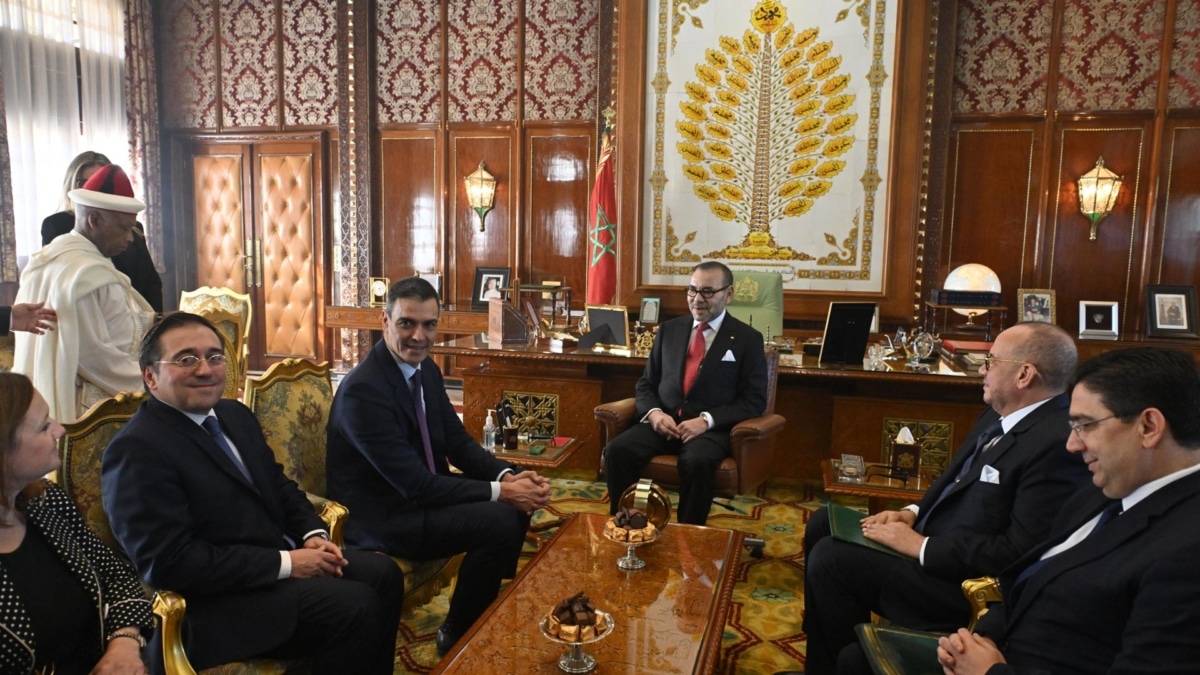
288	252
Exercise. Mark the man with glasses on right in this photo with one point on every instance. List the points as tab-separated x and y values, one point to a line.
994	502
706	373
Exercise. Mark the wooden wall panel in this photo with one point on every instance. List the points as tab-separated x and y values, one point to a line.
410	214
1106	269
991	190
560	169
468	247
1176	259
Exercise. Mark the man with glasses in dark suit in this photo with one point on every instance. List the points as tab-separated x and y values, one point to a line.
995	501
706	373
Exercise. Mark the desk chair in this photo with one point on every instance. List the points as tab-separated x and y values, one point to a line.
758	300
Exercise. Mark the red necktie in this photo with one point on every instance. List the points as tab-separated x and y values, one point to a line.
695	355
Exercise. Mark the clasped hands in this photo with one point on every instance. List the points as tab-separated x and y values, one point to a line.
318	558
664	425
526	491
894	529
965	653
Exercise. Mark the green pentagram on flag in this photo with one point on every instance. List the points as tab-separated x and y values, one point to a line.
599	248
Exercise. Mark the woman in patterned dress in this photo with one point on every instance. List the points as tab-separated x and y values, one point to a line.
68	604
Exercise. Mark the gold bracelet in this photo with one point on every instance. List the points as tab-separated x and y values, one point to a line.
131	633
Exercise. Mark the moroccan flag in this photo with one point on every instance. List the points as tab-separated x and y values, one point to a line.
602	230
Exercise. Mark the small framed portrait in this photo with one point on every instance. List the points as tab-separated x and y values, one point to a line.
489	283
1171	311
1037	304
1097	320
609	323
649	313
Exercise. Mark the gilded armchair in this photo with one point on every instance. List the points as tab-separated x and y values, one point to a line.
231	312
752	440
291	401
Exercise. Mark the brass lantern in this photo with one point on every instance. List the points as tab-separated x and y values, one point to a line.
481	192
1098	190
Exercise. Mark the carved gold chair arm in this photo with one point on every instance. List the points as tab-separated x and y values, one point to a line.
980	593
170	607
334	515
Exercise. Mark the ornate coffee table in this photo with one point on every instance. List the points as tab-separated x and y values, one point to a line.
669	615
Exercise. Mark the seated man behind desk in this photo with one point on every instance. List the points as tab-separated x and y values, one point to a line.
199	503
393	435
706	373
1114	588
995	501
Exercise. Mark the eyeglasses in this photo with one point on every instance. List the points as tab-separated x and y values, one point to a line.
1085	426
705	293
989	360
190	362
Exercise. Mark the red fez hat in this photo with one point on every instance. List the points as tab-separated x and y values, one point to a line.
108	189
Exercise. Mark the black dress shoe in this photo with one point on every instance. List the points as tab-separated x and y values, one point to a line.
446	637
790	672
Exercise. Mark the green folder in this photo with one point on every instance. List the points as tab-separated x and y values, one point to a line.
845	524
899	651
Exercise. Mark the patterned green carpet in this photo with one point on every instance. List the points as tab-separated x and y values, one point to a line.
762	634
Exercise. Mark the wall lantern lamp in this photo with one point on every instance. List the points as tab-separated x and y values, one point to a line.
1098	190
481	192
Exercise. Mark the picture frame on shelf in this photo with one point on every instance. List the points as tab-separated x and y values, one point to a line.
1097	320
488	284
649	312
1037	304
1171	311
615	318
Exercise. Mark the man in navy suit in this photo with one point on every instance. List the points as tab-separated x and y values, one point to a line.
706	373
1114	588
393	435
995	501
200	505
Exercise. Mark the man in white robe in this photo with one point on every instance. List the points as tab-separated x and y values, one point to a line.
101	318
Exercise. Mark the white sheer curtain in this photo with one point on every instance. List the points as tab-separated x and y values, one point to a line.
42	98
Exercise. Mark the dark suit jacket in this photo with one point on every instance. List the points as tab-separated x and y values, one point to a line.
1121	601
730	391
134	262
5	319
375	461
980	528
190	522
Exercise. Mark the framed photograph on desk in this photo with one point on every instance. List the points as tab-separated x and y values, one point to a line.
613	317
649	313
1171	311
488	282
1097	320
1036	304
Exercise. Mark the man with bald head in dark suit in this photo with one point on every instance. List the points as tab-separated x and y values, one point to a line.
706	373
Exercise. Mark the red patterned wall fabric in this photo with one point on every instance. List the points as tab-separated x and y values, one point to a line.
189	86
1110	54
408	53
481	41
1002	56
249	68
560	59
310	44
1183	90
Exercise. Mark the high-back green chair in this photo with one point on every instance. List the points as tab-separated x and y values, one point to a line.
758	300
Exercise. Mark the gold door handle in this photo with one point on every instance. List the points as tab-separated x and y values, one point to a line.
248	261
258	263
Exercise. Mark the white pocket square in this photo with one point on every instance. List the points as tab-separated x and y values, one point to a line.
989	475
728	355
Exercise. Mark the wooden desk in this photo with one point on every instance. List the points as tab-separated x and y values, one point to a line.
558	450
826	407
669	616
876	488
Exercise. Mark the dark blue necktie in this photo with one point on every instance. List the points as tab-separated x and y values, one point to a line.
1111	511
213	427
981	443
422	423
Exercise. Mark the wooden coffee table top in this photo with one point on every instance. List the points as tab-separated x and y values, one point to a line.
669	615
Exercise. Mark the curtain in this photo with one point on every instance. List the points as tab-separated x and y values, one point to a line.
43	96
141	87
8	250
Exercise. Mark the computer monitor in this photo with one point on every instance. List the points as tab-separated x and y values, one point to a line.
847	327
